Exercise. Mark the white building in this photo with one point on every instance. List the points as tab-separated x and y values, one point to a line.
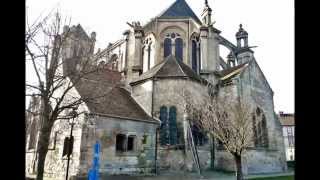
287	122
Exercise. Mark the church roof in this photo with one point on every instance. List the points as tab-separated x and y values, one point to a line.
179	9
103	95
170	67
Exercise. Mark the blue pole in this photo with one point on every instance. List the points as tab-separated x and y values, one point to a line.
93	173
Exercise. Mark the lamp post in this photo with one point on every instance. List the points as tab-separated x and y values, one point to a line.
73	114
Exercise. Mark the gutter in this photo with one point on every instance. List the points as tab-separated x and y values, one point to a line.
126	118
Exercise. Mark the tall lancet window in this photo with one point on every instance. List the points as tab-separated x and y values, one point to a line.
164	134
194	56
173	125
195	52
179	49
173	44
167	47
148	53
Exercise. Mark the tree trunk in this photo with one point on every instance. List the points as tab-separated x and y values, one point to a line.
43	144
212	152
239	173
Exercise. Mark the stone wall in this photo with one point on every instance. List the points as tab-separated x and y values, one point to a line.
171	159
142	93
254	161
140	160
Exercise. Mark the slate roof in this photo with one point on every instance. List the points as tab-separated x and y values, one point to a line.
169	68
286	119
104	95
179	9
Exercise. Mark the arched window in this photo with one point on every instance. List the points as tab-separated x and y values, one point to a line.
195	52
199	137
199	56
33	135
164	126
167	47
179	49
194	55
260	130
173	131
149	54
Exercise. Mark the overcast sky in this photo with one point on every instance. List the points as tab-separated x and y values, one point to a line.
270	24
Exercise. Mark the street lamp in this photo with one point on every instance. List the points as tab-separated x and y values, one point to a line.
72	114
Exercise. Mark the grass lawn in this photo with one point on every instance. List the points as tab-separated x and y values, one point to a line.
275	178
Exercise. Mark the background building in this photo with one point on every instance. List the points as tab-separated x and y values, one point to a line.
287	122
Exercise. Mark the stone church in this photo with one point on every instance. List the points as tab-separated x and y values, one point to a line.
138	117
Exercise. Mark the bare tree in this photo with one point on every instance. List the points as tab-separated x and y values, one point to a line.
227	119
44	42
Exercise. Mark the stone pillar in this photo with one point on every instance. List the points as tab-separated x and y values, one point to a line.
204	33
209	47
138	34
93	42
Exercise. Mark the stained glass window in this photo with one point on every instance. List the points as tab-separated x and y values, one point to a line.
164	126
179	49
173	125
167	47
194	56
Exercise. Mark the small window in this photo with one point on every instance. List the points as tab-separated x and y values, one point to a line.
125	143
121	143
130	143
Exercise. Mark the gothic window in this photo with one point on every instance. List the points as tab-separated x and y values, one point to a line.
33	135
164	125
173	42
149	54
114	62
199	56
169	129
167	47
179	49
194	55
199	136
173	125
260	130
195	52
